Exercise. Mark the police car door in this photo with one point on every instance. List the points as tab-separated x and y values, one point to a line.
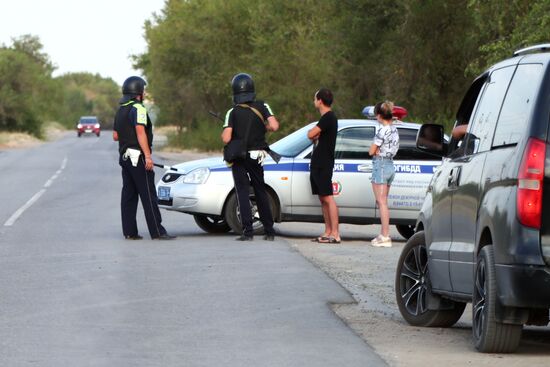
351	178
351	184
413	172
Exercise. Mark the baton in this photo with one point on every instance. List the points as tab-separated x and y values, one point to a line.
165	167
274	155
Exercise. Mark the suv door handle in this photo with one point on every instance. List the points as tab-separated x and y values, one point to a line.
454	177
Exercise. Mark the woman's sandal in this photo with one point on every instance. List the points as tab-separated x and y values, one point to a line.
330	240
320	239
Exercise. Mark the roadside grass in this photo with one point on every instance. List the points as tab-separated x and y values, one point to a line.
14	139
51	130
9	140
204	136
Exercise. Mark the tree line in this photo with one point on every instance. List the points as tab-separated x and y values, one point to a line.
31	96
422	54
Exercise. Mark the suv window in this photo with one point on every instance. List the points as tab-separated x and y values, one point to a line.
354	143
407	147
517	105
483	125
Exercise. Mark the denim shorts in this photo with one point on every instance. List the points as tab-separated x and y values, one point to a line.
383	171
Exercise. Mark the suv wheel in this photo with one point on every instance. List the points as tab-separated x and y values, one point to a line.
212	224
232	214
490	336
405	230
413	288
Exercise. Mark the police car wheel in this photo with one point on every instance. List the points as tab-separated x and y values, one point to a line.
413	291
405	230
232	215
212	224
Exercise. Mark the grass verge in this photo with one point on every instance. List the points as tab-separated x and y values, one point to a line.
203	136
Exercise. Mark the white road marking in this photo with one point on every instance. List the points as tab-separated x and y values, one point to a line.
27	205
36	196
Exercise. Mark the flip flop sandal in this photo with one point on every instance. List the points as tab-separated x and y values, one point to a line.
330	240
320	239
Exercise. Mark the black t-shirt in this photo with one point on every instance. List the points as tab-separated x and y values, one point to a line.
239	117
323	153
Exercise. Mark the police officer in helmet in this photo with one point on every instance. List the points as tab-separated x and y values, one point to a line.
249	120
134	132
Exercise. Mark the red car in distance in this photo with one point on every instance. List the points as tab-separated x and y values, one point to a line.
88	125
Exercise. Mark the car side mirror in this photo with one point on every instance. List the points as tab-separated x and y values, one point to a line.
431	139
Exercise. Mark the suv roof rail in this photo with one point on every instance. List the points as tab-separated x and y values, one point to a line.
543	47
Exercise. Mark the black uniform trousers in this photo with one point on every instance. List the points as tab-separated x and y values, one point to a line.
138	182
242	170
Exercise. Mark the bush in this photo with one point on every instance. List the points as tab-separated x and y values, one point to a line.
203	135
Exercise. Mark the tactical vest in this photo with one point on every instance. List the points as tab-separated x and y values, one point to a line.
125	126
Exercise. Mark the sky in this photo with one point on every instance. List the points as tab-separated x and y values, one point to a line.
96	36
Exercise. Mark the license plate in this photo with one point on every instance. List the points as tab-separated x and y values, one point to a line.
88	130
164	193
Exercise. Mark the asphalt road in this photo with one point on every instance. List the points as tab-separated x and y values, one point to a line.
74	293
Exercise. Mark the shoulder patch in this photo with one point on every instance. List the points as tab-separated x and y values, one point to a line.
141	114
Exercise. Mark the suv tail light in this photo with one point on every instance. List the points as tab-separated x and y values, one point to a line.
530	176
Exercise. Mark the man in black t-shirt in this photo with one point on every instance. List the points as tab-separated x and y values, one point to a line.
322	164
249	120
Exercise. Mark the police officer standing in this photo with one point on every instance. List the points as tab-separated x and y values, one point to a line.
250	119
134	132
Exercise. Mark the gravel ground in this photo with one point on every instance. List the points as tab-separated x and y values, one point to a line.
368	273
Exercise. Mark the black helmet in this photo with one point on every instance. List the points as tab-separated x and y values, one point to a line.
132	87
243	88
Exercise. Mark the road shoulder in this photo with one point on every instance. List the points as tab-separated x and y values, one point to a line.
368	273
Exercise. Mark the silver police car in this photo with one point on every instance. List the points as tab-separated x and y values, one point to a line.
204	188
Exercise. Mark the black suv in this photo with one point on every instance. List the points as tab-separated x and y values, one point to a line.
483	233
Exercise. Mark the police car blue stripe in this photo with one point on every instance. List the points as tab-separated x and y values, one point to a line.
340	167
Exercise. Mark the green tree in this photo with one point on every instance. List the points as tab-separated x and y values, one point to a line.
25	81
87	94
506	26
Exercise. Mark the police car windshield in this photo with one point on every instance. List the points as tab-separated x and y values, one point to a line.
293	144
